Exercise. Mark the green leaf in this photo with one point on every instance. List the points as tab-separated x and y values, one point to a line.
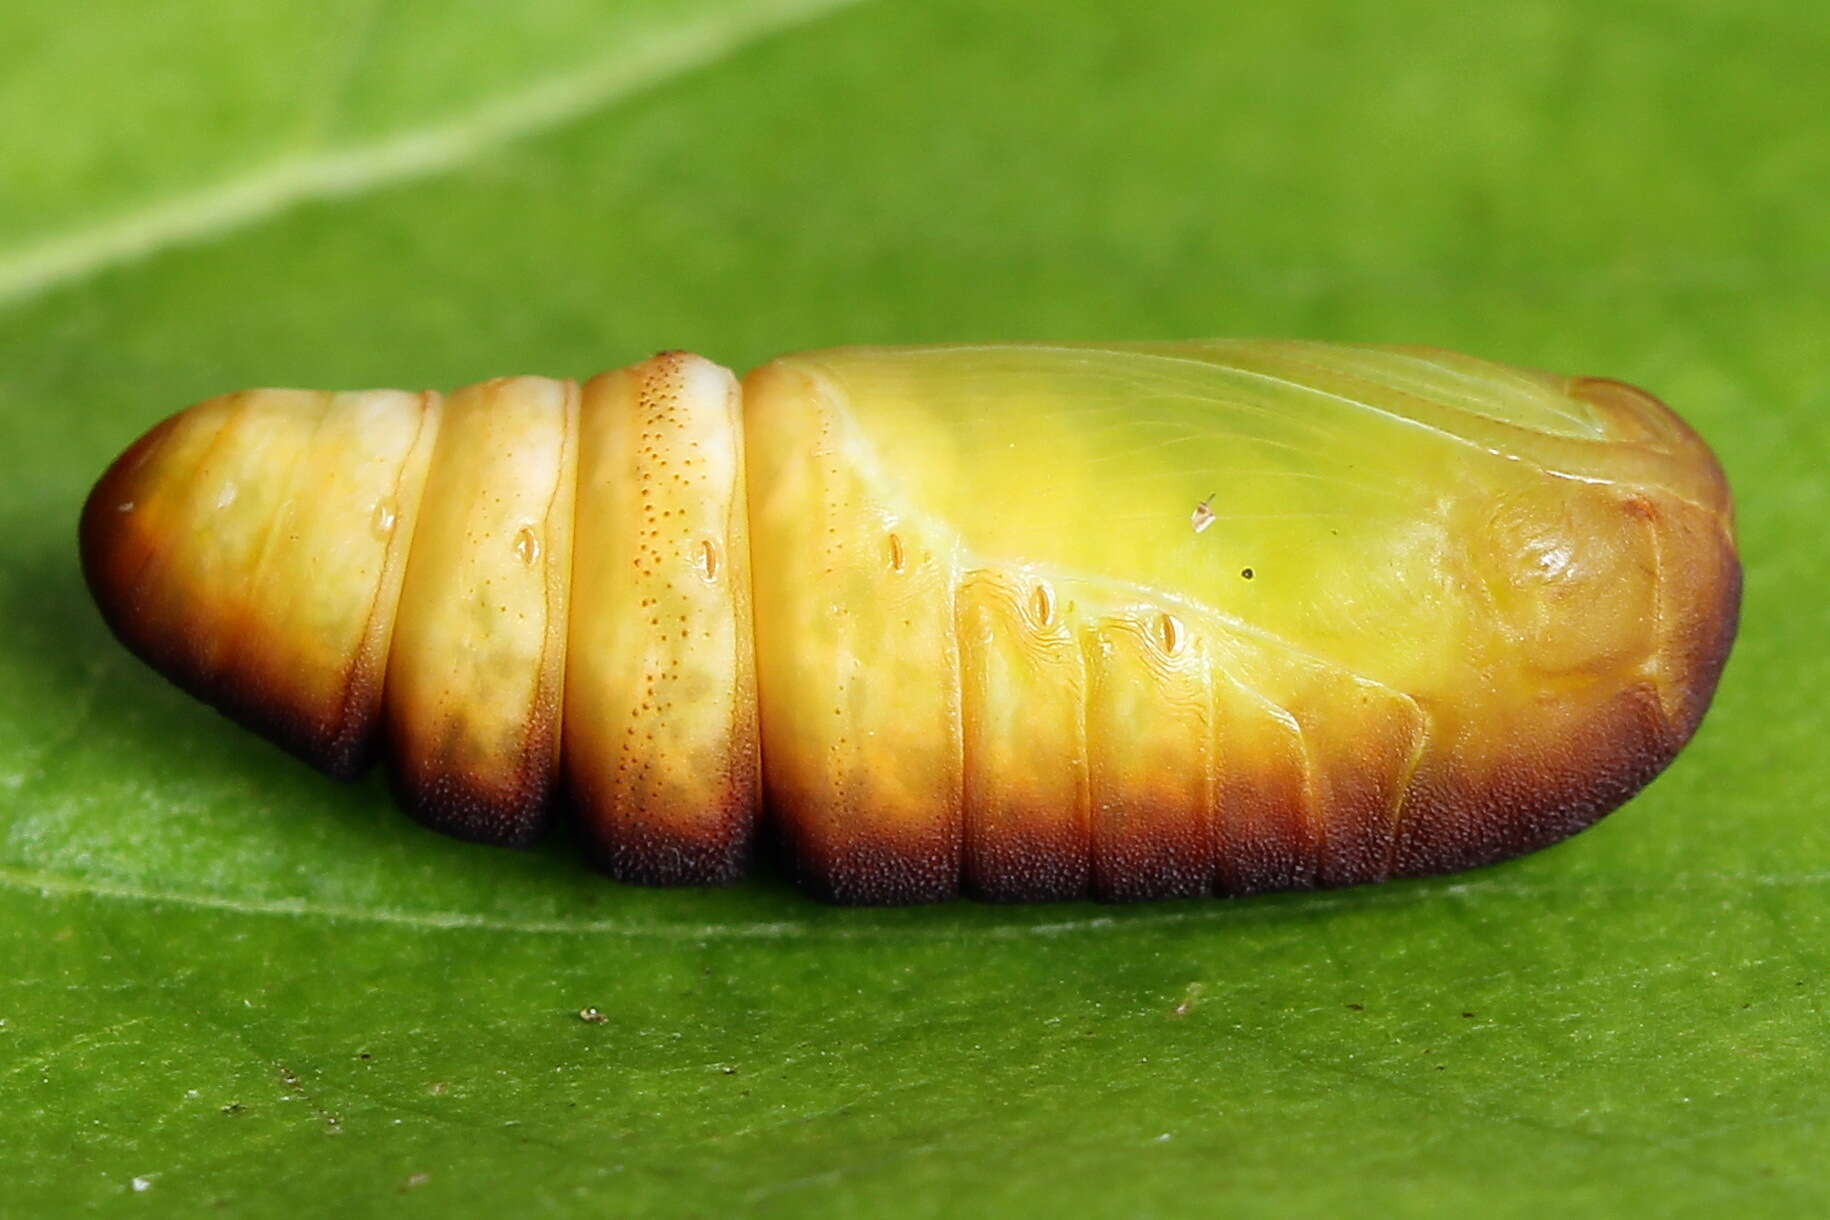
231	983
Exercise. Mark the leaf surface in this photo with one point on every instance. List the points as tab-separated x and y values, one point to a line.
233	983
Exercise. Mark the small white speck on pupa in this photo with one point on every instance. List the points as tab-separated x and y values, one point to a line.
142	1183
1203	516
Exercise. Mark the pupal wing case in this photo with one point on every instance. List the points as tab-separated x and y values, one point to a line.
1019	621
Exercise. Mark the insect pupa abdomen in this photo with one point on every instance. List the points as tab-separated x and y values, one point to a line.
1022	621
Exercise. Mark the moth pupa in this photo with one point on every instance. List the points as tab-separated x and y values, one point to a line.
1018	621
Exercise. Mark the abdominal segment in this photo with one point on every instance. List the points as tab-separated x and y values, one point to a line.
659	746
474	679
944	621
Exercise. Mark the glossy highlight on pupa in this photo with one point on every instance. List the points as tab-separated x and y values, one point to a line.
1014	621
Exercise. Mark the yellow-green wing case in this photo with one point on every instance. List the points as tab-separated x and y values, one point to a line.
1251	615
1023	621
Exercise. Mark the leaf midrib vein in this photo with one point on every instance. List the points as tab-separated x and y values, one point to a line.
639	62
48	884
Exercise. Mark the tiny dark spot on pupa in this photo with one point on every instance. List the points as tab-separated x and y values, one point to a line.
1246	572
233	1108
1468	1015
1357	1007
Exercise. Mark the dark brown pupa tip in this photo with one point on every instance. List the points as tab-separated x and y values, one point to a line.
123	556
